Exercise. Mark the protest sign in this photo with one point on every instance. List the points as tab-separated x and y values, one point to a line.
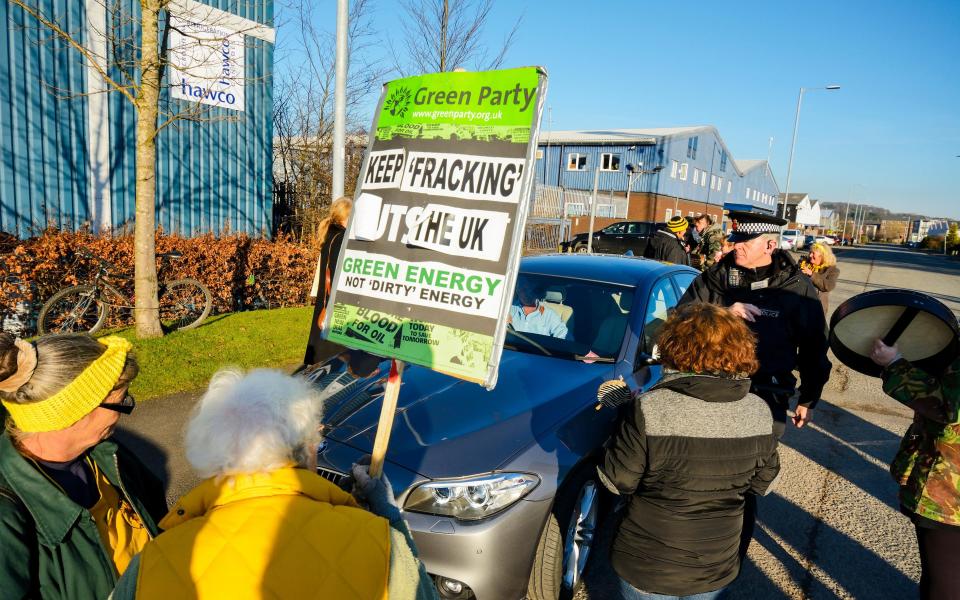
427	269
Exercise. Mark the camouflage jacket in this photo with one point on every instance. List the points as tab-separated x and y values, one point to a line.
927	466
711	242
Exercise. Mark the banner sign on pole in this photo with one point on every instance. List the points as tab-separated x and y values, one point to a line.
206	63
426	272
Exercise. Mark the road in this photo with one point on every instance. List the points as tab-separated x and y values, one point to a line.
830	529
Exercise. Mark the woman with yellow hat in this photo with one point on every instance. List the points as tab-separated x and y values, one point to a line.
75	506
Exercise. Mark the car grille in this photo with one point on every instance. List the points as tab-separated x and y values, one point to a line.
338	478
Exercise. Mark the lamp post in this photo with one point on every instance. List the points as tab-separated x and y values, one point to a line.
632	170
793	146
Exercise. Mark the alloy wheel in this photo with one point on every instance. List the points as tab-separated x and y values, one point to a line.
580	534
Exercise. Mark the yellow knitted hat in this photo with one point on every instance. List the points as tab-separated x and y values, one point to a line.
79	397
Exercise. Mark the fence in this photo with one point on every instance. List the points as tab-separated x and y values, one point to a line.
549	220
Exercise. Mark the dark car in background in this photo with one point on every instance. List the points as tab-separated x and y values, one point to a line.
615	238
499	487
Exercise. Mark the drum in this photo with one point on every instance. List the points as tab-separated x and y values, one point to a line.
922	327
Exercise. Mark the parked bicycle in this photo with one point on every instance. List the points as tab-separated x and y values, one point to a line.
184	303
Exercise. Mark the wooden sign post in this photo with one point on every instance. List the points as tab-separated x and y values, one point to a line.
387	411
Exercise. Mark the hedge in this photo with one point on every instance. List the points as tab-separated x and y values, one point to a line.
240	271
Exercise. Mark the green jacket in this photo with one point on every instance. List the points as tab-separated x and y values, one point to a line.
49	545
927	467
711	242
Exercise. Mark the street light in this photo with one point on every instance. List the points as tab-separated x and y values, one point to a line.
793	145
632	170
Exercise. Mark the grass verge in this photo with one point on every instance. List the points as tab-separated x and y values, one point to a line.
184	361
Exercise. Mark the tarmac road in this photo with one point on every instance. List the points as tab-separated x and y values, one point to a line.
830	529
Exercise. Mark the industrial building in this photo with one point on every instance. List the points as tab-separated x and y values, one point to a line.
651	174
68	136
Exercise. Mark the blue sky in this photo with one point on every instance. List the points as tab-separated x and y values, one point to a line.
889	137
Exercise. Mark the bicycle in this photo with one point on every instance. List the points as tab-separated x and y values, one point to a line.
184	303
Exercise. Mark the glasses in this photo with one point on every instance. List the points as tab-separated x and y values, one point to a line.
125	406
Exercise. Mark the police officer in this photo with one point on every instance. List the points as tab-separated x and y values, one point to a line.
764	286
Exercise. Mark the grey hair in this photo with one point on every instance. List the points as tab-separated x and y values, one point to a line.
253	423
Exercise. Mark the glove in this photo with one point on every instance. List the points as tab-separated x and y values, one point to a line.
375	493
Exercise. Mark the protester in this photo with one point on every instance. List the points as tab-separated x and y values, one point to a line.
821	268
927	466
263	523
764	286
528	314
330	234
710	248
75	506
668	245
687	453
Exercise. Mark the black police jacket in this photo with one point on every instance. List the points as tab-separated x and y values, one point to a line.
791	331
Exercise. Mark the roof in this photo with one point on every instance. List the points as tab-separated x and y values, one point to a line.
795	198
598	136
749	164
610	268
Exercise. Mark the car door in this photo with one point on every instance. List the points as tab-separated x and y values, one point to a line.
636	238
611	239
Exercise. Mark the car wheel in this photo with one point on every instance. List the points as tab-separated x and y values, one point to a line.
567	539
580	249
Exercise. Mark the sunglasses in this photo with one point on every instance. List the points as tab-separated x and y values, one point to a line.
125	406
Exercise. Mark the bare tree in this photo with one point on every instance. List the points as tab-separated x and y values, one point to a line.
140	57
303	110
442	35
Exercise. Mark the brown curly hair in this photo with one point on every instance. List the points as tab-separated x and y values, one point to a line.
704	338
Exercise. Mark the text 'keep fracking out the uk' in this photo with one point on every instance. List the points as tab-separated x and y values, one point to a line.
429	284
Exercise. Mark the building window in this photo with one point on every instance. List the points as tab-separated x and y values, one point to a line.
609	162
703	179
674	167
729	186
575	209
668	214
713	182
683	172
539	154
576	162
748	193
692	147
606	210
723	162
690	214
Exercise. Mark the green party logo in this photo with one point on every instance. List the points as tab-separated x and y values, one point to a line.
398	102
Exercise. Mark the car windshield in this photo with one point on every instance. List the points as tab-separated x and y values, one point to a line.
569	318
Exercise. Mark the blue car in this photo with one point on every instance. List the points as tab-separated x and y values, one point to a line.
498	487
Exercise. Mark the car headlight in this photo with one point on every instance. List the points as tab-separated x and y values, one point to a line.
471	499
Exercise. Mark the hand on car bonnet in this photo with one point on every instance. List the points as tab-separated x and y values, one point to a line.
375	493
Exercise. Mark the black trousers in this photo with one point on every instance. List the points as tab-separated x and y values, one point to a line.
939	562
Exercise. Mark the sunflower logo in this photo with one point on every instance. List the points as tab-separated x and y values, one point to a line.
398	102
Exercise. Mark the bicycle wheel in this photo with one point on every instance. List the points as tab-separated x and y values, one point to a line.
77	309
184	304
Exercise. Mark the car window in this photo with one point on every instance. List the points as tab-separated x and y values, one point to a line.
662	299
684	280
633	228
568	317
615	228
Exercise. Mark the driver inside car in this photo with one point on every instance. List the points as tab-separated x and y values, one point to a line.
528	314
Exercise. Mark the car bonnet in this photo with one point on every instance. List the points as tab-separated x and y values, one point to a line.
447	427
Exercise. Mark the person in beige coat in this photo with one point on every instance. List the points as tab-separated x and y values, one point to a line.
821	268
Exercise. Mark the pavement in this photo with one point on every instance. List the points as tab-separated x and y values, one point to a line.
830	529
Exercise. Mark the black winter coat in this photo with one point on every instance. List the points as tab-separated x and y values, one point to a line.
319	349
791	332
665	246
686	454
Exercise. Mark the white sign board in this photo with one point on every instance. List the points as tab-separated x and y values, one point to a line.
206	63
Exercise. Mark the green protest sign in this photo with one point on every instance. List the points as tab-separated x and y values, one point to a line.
433	243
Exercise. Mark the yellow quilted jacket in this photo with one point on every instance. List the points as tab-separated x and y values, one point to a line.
284	534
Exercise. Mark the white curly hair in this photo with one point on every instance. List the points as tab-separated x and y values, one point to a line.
253	423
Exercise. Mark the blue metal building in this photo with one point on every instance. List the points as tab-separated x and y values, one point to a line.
68	141
697	172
